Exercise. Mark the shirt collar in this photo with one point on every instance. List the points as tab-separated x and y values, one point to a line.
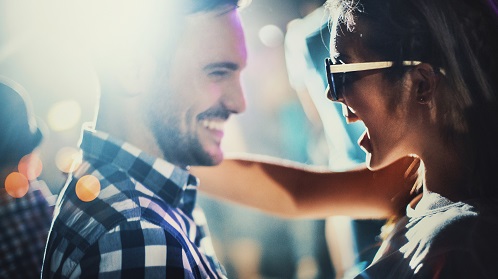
166	180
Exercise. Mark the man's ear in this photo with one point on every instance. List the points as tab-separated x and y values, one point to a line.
425	82
136	77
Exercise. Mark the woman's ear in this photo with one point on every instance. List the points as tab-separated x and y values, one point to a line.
425	81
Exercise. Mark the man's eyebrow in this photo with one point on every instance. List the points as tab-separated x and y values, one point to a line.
227	65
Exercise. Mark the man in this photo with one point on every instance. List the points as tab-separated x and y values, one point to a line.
161	110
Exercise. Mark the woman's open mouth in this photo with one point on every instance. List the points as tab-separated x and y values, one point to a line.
365	143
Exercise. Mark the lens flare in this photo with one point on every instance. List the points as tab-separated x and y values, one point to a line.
16	185
88	188
67	159
271	36
30	166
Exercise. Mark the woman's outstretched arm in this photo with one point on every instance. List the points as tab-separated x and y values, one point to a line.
289	189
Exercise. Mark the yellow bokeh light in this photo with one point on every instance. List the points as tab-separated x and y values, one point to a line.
67	159
64	115
16	185
30	166
88	188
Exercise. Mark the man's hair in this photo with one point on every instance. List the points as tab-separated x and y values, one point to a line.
112	31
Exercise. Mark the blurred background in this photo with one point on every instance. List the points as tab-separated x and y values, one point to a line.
286	39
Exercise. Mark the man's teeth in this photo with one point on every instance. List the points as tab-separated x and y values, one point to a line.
213	124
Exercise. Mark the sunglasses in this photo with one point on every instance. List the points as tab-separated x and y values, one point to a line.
337	73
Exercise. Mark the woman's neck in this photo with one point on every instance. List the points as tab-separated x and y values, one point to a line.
445	172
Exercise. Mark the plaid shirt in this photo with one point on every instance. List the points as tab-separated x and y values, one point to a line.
140	226
24	224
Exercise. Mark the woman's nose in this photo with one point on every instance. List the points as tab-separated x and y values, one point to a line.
348	113
333	97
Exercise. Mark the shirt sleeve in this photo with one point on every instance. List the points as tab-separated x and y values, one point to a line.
137	249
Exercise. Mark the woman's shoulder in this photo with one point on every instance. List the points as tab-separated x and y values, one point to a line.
453	226
461	232
465	245
467	227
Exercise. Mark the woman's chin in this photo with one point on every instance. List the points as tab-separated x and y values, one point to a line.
369	162
374	163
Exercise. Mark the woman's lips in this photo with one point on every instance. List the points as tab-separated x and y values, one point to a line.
365	143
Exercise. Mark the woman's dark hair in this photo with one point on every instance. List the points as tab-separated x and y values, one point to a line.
459	36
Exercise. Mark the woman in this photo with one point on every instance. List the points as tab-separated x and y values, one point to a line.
435	97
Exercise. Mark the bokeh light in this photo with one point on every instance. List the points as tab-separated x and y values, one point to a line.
244	3
30	166
67	159
16	185
64	115
271	36
88	188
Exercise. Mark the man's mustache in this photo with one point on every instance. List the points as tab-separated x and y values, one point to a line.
217	112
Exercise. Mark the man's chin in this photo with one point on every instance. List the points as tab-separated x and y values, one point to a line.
210	158
216	159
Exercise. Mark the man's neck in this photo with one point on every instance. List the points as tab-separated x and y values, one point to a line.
123	121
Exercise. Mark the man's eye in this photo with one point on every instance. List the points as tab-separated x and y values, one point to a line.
218	74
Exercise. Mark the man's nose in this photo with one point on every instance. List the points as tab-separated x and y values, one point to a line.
234	98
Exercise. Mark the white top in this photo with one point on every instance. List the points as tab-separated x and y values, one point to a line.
440	239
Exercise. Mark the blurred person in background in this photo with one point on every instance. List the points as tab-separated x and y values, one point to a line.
25	210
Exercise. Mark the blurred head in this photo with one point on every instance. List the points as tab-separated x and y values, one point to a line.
451	94
19	134
179	62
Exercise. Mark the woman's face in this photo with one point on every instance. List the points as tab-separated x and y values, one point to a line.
367	96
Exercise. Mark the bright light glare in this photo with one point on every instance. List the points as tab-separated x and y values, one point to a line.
97	27
271	36
113	30
64	115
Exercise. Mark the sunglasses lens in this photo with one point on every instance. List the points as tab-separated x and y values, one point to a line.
335	81
338	81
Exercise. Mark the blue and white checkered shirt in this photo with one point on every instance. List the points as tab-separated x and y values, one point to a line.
143	224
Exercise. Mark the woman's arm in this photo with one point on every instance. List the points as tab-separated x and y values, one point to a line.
289	189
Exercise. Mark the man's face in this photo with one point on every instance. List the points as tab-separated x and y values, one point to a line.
192	102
